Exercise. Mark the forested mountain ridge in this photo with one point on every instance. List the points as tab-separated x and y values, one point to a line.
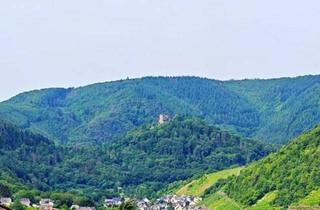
101	112
140	162
288	177
288	103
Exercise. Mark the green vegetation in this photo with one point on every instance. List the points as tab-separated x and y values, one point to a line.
287	106
290	176
26	156
197	187
102	140
220	201
139	163
179	150
265	203
313	199
268	110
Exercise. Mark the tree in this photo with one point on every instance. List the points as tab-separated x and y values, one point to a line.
129	205
17	206
4	190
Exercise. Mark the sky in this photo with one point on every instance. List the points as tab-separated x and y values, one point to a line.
59	43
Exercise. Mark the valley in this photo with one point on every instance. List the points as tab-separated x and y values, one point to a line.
249	144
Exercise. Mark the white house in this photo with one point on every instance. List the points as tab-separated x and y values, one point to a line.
5	201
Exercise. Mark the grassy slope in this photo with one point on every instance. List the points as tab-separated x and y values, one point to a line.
220	201
217	201
198	186
289	177
293	171
313	199
265	203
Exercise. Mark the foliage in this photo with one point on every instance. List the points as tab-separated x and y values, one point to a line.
313	199
269	110
139	163
287	106
4	190
17	206
156	156
265	203
293	173
198	186
128	205
219	201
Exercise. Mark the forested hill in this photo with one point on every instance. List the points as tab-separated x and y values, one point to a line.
180	149
140	162
288	177
26	157
100	112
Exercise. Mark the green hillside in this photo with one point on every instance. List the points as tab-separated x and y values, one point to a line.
312	199
286	105
269	110
26	156
219	201
200	186
26	159
140	162
290	177
158	155
197	187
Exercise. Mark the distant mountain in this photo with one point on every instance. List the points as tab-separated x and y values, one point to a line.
139	163
269	110
290	177
287	106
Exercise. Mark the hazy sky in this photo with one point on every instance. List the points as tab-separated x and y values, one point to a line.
48	43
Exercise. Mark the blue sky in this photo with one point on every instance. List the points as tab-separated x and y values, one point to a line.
56	43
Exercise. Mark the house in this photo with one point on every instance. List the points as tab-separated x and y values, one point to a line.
25	201
74	207
5	201
174	202
86	208
112	202
179	207
46	204
144	204
163	118
46	201
77	207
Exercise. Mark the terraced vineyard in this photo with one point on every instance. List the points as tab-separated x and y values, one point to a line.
197	187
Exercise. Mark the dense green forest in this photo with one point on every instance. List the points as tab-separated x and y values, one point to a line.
138	163
269	110
26	160
29	156
288	177
157	156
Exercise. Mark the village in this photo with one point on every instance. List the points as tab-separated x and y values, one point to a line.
168	202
